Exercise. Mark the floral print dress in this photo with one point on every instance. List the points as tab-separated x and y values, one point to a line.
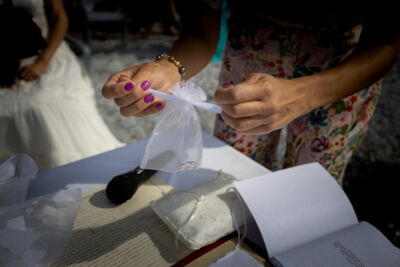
328	135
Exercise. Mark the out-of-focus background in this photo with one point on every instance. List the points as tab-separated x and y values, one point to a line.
116	34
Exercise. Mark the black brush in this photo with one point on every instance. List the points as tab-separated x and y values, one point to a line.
122	187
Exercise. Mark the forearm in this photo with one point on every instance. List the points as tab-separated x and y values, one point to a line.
196	46
194	51
358	72
58	25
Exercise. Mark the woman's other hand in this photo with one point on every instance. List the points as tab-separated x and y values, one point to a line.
129	88
262	103
33	71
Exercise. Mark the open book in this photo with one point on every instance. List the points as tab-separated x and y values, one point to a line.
306	219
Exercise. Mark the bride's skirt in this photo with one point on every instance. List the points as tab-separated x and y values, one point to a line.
53	119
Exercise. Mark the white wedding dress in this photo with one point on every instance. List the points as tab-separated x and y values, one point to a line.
54	118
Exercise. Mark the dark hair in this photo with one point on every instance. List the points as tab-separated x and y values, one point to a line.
22	37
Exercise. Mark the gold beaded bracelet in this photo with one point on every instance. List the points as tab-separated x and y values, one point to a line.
181	68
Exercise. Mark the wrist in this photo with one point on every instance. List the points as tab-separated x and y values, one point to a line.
171	72
180	68
42	60
314	91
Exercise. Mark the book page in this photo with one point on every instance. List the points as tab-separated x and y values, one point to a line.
221	251
236	258
356	246
127	235
296	205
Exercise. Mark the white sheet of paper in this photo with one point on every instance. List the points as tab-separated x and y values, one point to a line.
236	258
296	205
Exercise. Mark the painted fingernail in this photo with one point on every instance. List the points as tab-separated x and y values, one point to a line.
145	85
129	86
159	106
148	98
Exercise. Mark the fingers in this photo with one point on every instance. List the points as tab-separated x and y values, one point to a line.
144	106
26	74
118	85
153	108
258	77
254	88
134	94
29	77
29	73
248	109
240	93
129	89
128	99
126	92
130	85
256	106
245	124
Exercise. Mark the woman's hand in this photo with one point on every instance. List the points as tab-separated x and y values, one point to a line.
262	103
129	87
33	71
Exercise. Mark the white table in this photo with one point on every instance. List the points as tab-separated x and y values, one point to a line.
92	172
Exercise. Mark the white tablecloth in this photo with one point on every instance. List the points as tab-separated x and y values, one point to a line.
91	172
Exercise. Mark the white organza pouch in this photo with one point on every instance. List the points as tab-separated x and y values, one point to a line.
15	175
35	232
176	142
204	214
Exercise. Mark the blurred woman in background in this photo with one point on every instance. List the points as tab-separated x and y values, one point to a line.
47	105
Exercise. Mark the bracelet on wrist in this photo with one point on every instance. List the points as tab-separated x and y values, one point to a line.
181	68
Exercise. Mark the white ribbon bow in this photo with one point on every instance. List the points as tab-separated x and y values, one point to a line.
190	93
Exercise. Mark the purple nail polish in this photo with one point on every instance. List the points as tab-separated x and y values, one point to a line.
159	106
145	85
129	86
148	98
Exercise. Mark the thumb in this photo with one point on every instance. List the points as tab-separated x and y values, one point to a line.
152	76
114	86
161	74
